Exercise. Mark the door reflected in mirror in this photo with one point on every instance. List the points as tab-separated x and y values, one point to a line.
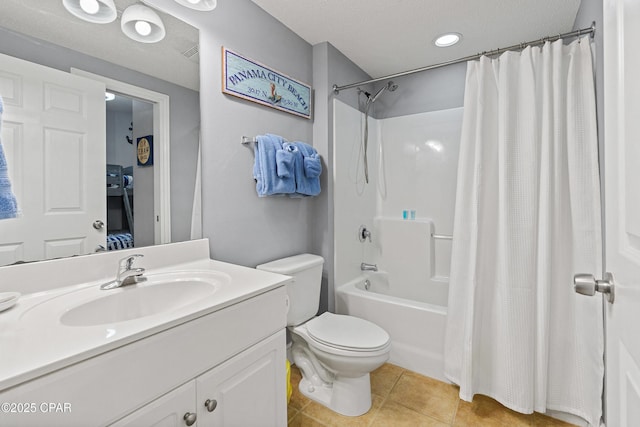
58	151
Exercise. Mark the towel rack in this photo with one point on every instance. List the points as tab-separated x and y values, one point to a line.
247	140
441	236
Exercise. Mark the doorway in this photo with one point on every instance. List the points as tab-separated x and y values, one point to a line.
159	128
129	126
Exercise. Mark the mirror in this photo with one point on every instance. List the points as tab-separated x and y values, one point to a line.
45	33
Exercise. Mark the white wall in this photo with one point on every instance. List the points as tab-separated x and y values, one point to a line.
330	67
417	170
354	201
421	165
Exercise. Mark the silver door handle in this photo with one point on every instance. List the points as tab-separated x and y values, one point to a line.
586	284
98	224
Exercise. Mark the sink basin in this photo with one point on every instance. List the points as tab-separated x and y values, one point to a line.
161	293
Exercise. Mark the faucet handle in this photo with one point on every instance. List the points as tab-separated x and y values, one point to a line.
127	263
363	234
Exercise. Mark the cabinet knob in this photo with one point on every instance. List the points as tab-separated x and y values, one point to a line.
190	418
211	404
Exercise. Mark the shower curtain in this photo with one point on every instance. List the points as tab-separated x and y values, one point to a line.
527	218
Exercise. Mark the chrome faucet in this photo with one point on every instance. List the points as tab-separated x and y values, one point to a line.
368	267
127	275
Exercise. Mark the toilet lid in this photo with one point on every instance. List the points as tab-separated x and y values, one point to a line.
347	332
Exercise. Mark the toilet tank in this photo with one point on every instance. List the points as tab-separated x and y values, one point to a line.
304	290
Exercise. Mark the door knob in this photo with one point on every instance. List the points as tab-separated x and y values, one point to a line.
586	284
190	418
98	224
211	404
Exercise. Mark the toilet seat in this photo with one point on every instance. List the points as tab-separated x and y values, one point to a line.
334	332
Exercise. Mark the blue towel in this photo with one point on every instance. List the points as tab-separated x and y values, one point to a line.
307	169
285	162
268	182
8	204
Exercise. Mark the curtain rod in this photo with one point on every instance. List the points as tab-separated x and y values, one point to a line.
577	33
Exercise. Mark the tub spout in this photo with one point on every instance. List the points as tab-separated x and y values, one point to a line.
368	267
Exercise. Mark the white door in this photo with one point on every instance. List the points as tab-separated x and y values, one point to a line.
622	209
175	409
53	133
247	390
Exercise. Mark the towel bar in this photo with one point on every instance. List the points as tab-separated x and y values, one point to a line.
246	140
441	236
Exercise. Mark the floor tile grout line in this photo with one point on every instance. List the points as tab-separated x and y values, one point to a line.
377	412
455	413
450	423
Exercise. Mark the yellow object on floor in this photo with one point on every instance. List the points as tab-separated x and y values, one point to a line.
289	389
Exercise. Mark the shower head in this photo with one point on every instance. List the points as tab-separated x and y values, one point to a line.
390	86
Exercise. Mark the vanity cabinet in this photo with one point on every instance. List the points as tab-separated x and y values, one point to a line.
235	355
246	390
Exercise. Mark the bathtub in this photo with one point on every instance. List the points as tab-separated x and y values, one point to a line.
416	327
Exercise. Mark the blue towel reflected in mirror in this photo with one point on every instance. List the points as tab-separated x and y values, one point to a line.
8	203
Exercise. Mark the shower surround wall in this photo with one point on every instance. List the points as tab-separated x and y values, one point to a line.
412	166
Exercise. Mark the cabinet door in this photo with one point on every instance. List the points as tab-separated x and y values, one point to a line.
247	390
169	410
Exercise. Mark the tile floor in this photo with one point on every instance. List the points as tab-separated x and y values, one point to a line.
404	398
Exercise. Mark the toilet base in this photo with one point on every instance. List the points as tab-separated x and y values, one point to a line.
346	396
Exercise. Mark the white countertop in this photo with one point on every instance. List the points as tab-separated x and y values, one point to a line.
34	345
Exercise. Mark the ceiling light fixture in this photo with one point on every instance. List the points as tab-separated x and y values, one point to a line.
201	5
448	39
142	24
96	11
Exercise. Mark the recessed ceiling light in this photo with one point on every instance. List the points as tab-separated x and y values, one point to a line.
448	39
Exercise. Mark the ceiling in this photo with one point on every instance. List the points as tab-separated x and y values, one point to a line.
48	20
381	36
388	36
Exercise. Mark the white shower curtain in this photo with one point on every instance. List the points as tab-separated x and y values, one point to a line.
527	218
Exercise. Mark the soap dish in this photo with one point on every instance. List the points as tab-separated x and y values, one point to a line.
8	300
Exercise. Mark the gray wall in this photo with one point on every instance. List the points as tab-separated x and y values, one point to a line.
242	227
185	117
433	90
119	151
143	179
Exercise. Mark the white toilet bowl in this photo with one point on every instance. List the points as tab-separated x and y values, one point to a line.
336	353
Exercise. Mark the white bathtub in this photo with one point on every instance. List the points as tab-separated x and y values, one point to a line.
416	328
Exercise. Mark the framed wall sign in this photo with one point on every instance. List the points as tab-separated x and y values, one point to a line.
250	80
145	150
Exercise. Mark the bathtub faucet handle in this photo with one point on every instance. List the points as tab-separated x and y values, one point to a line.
363	234
368	267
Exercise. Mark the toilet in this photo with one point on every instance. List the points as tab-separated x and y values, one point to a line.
335	353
